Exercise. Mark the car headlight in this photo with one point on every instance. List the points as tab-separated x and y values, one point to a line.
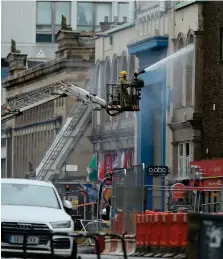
62	224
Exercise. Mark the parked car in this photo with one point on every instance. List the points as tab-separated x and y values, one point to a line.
30	206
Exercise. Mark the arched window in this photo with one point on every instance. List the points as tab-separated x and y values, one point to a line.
124	62
178	75
189	72
107	81
132	66
115	76
98	85
114	69
108	72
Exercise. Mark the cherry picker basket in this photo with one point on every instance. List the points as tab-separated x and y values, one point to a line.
121	97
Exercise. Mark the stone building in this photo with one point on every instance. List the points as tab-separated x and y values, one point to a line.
194	120
172	127
132	138
4	70
31	134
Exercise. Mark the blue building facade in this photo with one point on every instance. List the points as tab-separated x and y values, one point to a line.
153	102
4	68
4	71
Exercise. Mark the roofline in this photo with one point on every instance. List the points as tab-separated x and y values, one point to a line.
184	4
118	28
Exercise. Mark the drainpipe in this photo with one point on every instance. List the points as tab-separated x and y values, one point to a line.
131	11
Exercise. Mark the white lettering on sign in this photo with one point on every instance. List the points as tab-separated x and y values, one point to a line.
218	183
157	170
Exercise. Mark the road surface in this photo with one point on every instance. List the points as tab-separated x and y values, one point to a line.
93	256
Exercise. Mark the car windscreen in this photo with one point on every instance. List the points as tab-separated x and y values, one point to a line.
29	195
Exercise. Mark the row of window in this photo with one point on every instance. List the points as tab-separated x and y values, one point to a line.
89	16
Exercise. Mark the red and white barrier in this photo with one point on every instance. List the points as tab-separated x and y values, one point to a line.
113	246
130	242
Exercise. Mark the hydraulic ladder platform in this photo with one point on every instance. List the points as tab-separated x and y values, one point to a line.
67	139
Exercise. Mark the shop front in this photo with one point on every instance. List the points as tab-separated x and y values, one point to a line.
108	161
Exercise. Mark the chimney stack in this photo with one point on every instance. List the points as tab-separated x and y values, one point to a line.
115	20
16	60
75	45
124	19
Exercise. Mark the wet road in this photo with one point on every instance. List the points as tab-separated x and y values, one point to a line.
93	256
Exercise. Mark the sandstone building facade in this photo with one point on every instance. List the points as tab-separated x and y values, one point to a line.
31	134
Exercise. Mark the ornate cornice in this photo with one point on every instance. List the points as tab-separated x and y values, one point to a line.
46	68
194	123
179	125
111	136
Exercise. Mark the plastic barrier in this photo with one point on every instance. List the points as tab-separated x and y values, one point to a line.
148	227
139	230
113	246
155	230
161	232
184	229
131	244
107	245
174	230
130	241
164	230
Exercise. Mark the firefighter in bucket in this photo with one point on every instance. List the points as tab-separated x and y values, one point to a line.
123	86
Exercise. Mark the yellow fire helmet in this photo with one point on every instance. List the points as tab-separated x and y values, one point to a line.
123	74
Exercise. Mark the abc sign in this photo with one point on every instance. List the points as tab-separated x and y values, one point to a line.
157	170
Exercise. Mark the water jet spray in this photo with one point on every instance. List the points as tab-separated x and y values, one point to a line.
175	55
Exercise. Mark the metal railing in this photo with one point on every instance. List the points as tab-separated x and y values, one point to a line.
212	206
127	196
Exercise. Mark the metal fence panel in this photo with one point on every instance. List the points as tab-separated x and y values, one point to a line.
128	195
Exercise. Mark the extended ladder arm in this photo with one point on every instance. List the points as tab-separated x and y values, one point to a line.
17	105
15	113
21	103
82	95
68	137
